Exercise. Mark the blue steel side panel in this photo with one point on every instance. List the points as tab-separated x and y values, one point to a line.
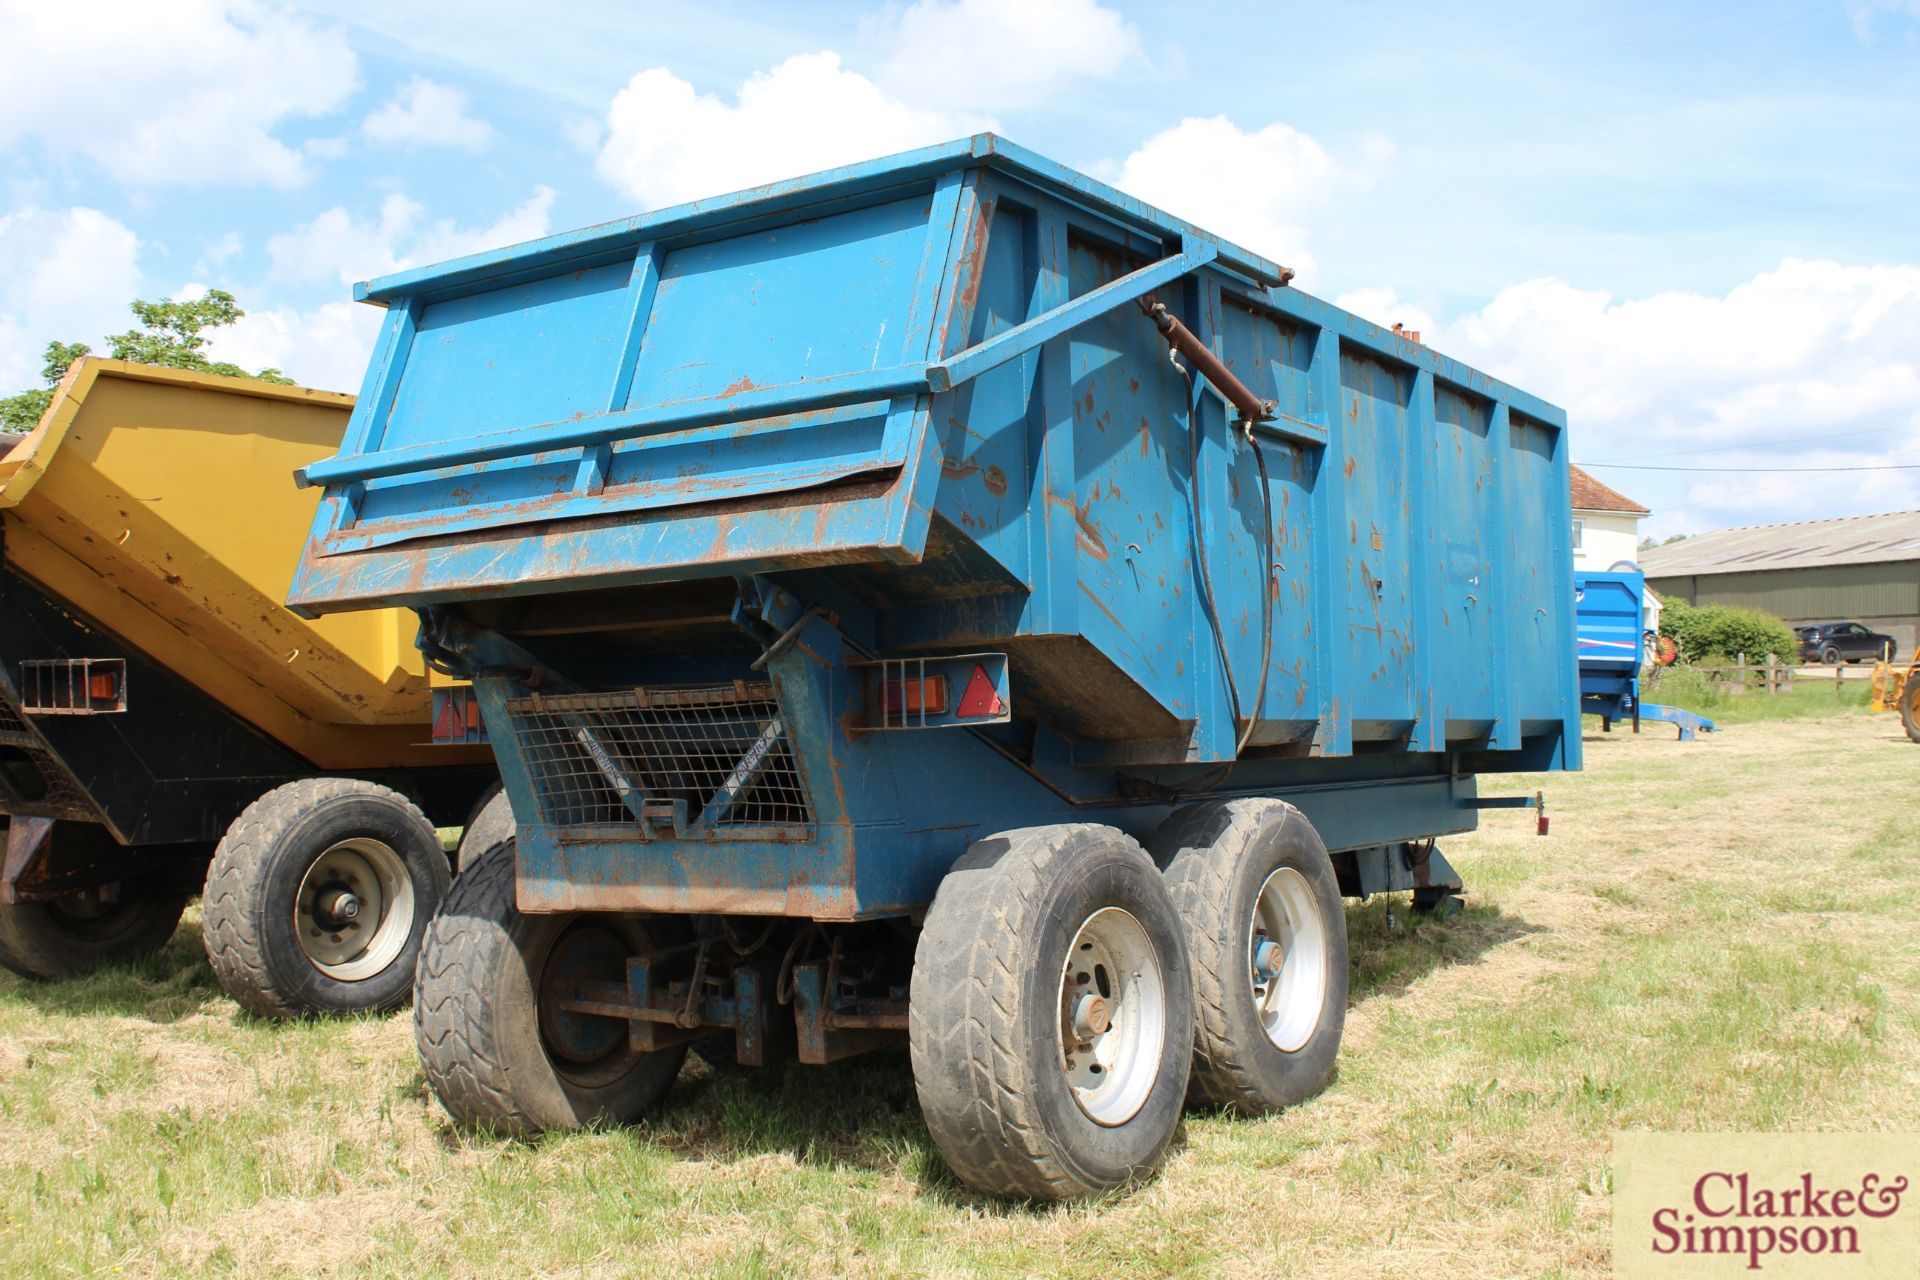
779	306
988	489
1377	545
1130	557
1458	462
537	352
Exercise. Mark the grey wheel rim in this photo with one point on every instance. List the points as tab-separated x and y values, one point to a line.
1113	1016
354	909
1287	952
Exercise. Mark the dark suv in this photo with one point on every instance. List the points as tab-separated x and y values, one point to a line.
1837	642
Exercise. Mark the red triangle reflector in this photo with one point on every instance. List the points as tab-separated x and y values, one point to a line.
981	698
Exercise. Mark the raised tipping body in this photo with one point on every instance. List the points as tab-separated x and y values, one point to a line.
799	540
155	690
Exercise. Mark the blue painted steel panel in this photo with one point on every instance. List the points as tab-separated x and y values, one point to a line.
910	407
1608	607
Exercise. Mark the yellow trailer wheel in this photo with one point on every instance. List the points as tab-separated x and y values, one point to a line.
1910	708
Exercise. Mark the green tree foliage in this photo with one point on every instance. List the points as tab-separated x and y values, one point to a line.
1717	632
170	334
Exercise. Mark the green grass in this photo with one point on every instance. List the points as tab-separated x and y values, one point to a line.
1690	690
1718	935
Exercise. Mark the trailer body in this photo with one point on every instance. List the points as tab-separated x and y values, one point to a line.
1612	638
152	682
798	537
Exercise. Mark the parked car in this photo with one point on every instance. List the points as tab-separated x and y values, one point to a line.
1837	642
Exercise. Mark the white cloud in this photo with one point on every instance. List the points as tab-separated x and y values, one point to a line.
337	245
1261	189
186	92
1384	307
1865	15
1004	54
64	274
329	345
667	143
427	113
1811	364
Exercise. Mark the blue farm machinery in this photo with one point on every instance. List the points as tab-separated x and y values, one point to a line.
942	602
1613	642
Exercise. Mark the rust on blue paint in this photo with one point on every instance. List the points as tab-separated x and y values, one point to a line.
912	409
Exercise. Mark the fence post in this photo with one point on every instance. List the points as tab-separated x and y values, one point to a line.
1740	663
1837	686
1773	674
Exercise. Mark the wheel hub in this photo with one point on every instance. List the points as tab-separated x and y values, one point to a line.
1267	958
354	909
1113	1017
585	953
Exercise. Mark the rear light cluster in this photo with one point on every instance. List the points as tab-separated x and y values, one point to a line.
456	717
73	686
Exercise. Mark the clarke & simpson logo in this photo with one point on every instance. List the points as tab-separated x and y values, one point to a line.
1783	1205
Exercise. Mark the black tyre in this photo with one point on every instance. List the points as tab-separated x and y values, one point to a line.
1830	656
1050	1012
1910	707
490	823
79	933
497	1051
318	897
1266	933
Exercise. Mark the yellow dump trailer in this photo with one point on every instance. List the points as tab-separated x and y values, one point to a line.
162	713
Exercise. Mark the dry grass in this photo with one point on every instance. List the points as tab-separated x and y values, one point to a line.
1721	934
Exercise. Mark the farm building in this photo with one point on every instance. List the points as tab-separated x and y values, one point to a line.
1606	524
1857	568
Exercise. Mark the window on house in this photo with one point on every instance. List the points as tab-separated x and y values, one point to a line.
1579	527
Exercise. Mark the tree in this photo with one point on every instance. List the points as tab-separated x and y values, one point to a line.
171	334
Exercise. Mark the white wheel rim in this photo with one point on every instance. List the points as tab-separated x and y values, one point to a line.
1113	1016
369	879
1290	987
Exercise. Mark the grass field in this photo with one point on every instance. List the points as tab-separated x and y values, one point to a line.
1718	935
1811	695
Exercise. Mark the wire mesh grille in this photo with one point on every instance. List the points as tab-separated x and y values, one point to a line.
719	754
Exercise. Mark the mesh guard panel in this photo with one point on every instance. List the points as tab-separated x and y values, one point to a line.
597	760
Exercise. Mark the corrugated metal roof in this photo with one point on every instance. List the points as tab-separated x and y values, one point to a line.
1806	544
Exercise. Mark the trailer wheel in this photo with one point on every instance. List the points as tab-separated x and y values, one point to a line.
1910	707
1267	937
490	822
497	1051
78	933
1050	1012
318	897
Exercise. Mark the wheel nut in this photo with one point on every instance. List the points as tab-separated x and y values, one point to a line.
1091	1016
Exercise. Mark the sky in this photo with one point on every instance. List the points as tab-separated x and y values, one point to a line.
1695	226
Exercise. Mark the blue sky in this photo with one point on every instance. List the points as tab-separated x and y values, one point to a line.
1695	226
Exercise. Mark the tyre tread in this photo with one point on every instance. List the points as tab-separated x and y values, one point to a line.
453	1017
236	881
968	1070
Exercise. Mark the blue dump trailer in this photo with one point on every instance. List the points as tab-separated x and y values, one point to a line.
942	602
1612	639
